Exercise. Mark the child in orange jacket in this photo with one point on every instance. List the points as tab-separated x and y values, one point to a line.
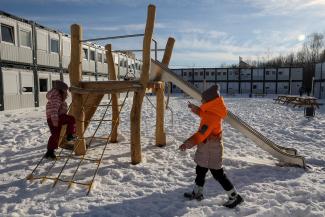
209	153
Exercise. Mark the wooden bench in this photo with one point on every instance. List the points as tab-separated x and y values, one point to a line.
300	101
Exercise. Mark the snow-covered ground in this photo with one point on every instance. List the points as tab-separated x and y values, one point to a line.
156	186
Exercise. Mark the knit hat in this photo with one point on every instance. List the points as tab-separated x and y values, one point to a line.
60	85
211	93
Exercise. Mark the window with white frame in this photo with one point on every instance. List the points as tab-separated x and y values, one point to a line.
25	38
54	45
99	57
7	33
92	55
43	84
85	53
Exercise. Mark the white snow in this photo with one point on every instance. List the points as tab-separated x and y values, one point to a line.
156	186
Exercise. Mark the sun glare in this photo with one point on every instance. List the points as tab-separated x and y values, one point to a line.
301	37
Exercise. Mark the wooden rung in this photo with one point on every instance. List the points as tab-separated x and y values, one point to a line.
155	85
100	138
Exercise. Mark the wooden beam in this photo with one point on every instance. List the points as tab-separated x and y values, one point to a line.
103	91
115	109
160	112
75	74
138	96
99	85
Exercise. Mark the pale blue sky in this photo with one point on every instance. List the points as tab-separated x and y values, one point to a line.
207	32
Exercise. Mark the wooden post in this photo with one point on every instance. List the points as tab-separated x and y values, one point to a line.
112	76
160	109
138	96
75	74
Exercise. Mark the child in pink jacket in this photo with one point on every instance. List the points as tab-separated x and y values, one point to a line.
56	113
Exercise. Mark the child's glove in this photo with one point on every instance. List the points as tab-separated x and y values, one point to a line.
186	145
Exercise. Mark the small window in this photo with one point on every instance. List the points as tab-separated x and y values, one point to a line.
185	74
54	45
212	73
267	72
280	73
196	73
25	38
27	89
121	63
224	73
254	87
105	59
126	63
219	73
201	73
190	74
99	57
43	85
7	33
285	87
85	53
207	73
92	55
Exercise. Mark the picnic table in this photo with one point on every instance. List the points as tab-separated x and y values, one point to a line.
300	101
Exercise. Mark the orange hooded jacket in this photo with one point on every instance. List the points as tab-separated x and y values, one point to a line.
211	114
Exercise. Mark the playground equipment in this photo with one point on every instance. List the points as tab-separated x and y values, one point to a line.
286	155
87	95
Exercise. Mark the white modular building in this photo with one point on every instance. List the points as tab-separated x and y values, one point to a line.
198	74
258	74
245	74
221	74
319	81
32	56
210	74
257	87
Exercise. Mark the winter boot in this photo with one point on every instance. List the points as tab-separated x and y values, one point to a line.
197	193
50	154
234	199
71	139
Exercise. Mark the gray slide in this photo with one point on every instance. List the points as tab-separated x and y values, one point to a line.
286	155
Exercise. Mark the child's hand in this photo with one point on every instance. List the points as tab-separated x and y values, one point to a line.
190	105
183	147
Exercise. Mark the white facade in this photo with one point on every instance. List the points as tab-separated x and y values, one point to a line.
221	74
199	74
257	87
258	74
233	74
245	74
270	88
233	87
15	40
210	74
296	73
270	74
245	87
18	88
283	74
283	88
295	86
